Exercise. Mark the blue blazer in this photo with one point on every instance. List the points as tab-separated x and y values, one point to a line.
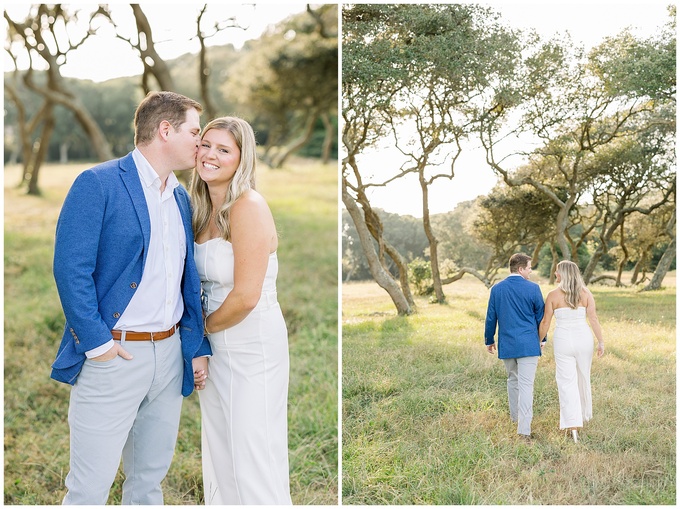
516	306
102	239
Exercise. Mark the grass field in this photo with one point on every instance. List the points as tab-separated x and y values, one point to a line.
304	202
425	412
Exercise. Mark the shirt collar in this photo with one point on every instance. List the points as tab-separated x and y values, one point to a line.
148	175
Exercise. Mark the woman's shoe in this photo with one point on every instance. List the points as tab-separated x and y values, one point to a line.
574	435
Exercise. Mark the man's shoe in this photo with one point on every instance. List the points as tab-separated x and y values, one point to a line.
526	438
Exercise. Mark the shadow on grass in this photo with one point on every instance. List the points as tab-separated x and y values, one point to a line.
476	315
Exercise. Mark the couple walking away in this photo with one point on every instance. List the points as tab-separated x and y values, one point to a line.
516	307
138	334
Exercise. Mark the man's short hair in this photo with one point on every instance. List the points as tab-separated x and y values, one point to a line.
518	260
159	106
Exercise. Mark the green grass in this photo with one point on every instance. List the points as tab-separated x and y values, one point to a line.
303	199
425	413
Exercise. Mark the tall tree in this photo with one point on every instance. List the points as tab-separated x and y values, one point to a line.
291	81
145	45
47	33
204	69
666	260
568	109
644	234
428	111
369	80
631	178
511	219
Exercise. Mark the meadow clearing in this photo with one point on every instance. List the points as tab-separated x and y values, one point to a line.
425	413
303	199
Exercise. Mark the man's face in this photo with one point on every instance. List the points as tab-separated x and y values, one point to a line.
525	272
184	142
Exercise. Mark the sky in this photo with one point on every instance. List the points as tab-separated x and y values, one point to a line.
587	23
105	57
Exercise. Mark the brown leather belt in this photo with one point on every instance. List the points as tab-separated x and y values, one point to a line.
144	336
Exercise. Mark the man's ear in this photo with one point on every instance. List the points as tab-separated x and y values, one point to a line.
164	129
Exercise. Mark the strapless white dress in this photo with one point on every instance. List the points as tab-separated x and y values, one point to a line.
573	347
244	404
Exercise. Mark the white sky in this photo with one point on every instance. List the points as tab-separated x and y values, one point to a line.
587	23
103	56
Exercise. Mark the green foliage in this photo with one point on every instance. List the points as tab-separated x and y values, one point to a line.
420	275
405	233
314	146
457	241
292	77
304	203
545	259
308	60
425	415
639	68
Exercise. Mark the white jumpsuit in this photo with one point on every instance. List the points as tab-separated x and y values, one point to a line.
573	347
244	403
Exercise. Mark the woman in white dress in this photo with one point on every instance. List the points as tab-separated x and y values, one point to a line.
572	303
244	403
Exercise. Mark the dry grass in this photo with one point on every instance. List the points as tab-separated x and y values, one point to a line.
36	431
425	410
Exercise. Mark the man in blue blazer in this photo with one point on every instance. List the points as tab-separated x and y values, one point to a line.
133	343
516	306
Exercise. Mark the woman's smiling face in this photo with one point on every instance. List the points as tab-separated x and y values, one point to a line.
218	157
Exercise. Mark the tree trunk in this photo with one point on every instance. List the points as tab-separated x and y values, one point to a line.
592	263
204	75
624	258
279	159
24	131
562	225
375	228
38	157
662	267
553	265
328	138
432	241
636	272
381	276
63	153
402	266
467	270
57	93
150	58
666	260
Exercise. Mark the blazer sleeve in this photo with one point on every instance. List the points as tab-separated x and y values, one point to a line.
491	320
75	255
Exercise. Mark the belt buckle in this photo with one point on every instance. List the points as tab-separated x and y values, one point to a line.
151	334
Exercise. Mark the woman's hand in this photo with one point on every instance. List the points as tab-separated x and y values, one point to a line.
600	348
200	365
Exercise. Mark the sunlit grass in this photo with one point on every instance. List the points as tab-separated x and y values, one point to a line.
36	430
425	418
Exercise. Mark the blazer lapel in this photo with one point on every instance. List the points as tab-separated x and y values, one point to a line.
185	212
130	178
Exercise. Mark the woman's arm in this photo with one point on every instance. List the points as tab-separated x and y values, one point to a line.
591	313
253	238
547	316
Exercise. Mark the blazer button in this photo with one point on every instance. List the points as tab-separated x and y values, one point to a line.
133	285
116	314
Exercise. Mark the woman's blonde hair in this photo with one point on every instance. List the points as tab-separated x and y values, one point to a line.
244	178
571	282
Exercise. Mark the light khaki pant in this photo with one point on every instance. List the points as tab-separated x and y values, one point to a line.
521	374
129	409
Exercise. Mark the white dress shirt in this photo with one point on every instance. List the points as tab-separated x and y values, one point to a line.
157	303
